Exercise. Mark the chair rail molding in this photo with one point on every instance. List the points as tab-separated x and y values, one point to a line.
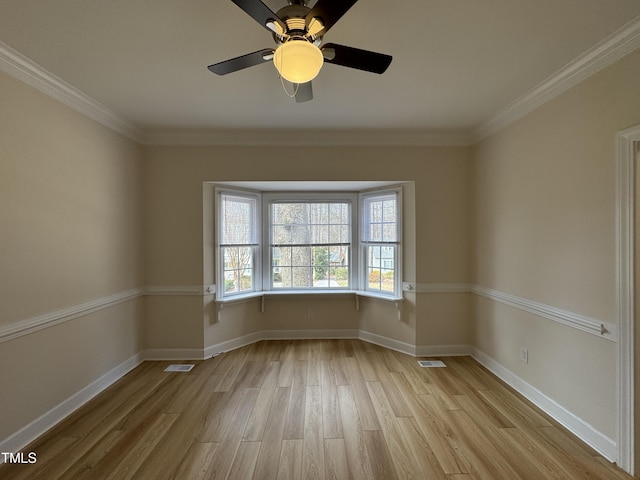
40	322
594	326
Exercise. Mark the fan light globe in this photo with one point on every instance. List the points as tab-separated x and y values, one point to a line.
298	61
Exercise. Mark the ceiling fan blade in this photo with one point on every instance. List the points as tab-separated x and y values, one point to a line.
260	13
356	58
304	93
329	12
245	61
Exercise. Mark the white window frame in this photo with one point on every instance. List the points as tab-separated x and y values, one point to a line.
358	277
256	246
315	197
364	243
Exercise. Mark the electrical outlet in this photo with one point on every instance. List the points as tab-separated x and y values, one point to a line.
309	312
524	355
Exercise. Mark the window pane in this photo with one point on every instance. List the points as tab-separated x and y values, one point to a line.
301	277
300	256
237	220
337	213
321	261
284	254
376	232
389	232
376	211
381	267
338	234
387	283
300	234
320	234
281	234
287	278
237	272
374	279
320	213
380	219
291	213
389	211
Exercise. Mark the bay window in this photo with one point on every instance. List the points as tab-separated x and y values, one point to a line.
311	242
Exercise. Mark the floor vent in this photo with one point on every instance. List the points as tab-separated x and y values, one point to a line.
179	368
431	363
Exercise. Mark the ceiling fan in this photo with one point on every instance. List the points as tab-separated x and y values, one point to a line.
298	30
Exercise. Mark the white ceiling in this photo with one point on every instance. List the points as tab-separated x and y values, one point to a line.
455	62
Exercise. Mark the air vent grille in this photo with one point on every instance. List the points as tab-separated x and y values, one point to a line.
431	363
179	368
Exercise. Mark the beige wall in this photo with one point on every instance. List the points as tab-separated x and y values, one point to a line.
544	223
70	223
179	203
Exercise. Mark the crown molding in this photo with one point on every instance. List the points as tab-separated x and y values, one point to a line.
26	70
613	48
309	137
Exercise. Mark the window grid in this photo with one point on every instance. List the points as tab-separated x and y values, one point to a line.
238	246
310	245
380	243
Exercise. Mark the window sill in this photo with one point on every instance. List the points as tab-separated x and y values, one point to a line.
308	293
397	301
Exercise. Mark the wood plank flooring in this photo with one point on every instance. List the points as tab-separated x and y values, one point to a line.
311	409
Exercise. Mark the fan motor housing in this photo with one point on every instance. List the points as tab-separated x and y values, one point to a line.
294	16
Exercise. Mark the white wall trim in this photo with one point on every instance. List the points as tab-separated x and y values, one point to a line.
617	45
437	287
30	432
160	354
443	350
26	70
309	334
586	432
387	342
233	344
24	327
625	290
39	322
584	323
180	290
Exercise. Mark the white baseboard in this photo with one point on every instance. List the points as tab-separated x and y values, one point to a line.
40	425
586	432
232	344
308	334
387	342
173	354
443	350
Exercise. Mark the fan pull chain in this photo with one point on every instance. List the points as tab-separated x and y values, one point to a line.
295	90
296	85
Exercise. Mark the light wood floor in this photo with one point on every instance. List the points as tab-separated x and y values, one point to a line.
311	409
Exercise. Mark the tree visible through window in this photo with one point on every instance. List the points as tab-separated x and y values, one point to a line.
310	245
